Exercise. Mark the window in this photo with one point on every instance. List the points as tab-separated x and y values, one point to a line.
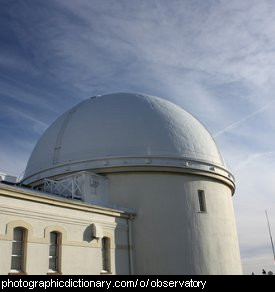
105	255
18	250
202	203
54	252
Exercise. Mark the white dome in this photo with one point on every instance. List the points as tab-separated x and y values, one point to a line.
123	129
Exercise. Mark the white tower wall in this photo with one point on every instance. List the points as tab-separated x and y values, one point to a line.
170	235
118	135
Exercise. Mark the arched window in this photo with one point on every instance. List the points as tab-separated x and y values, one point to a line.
105	250
18	253
54	252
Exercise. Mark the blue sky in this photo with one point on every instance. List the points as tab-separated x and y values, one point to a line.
214	58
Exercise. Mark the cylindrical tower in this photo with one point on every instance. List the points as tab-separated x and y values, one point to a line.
160	162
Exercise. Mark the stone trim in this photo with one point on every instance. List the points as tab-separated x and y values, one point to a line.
32	195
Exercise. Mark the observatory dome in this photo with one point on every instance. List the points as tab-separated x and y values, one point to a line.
119	130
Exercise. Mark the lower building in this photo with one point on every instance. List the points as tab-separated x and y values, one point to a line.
43	234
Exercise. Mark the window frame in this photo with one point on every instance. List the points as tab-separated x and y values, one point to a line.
57	256
105	255
202	201
23	241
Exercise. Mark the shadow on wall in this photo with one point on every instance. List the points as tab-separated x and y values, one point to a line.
88	234
121	254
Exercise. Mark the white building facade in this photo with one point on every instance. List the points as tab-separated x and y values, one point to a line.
157	177
42	234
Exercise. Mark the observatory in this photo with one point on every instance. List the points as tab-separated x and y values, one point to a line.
156	169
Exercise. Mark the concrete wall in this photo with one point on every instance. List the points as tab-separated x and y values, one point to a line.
170	235
79	253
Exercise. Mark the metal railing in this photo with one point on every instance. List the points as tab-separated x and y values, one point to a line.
68	188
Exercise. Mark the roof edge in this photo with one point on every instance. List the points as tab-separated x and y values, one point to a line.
43	198
147	162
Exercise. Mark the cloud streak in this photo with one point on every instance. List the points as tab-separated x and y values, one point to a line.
213	58
243	120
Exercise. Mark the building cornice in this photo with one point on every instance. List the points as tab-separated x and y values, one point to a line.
39	197
129	164
146	161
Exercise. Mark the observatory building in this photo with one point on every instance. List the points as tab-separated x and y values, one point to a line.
121	184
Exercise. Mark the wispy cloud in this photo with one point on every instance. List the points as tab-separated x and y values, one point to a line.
214	58
252	157
244	119
38	126
13	161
